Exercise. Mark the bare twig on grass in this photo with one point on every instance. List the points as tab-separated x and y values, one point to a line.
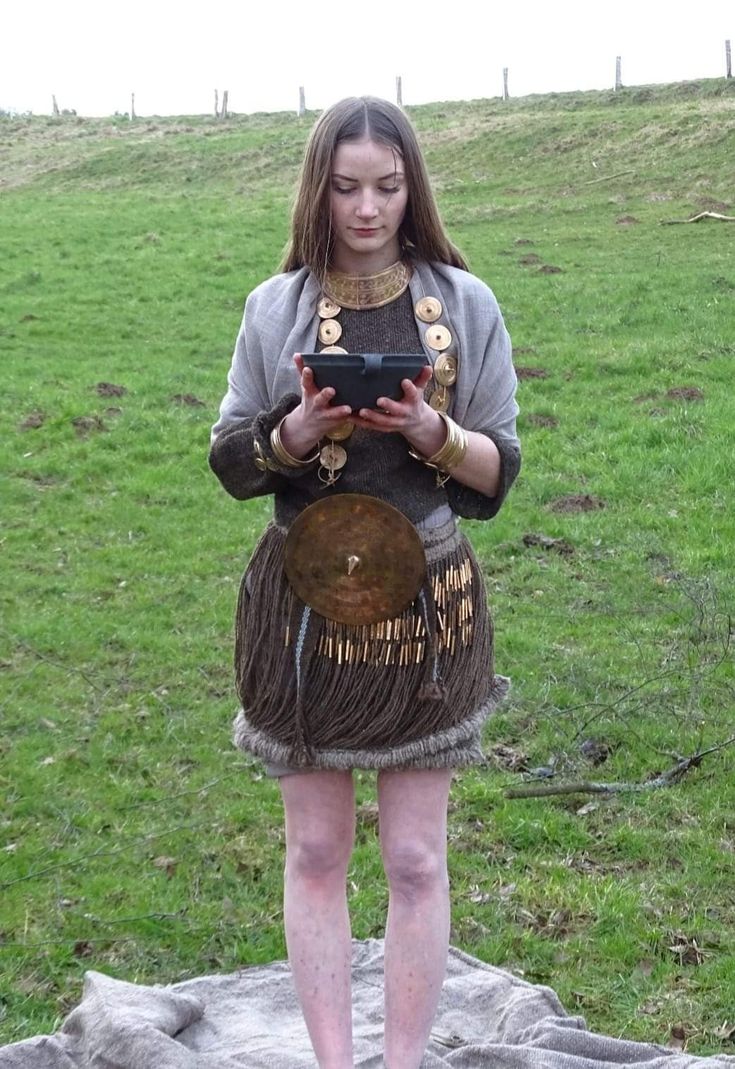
666	779
104	853
606	178
22	644
717	216
182	794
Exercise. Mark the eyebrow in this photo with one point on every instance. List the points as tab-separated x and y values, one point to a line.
384	178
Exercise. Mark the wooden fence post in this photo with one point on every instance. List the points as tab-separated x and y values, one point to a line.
618	74
506	94
225	95
216	104
302	102
399	92
728	60
55	105
132	105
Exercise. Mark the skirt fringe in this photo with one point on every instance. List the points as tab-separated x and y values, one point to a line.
408	692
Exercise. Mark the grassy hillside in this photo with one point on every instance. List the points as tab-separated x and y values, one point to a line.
135	840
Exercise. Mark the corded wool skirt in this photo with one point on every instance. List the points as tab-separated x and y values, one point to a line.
411	692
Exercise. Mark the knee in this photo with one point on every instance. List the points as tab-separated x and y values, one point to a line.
316	857
415	869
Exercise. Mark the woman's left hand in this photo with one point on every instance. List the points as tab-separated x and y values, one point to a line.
411	416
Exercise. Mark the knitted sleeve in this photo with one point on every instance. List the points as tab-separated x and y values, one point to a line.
247	417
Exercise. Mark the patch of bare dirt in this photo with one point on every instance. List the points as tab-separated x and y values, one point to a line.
85	425
596	751
709	204
685	393
508	758
577	503
30	318
537	420
558	545
627	220
553	924
523	241
529	260
532	373
187	399
109	389
550	269
32	421
368	814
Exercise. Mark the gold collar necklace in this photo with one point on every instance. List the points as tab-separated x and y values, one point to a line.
368	291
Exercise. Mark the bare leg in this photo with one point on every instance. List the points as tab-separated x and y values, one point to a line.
413	834
320	829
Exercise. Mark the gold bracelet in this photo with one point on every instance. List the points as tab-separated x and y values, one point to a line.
453	450
282	454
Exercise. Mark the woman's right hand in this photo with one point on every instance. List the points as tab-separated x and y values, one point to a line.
314	417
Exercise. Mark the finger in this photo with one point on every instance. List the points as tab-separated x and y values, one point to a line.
373	424
307	383
338	413
376	418
388	407
410	392
423	377
324	397
299	362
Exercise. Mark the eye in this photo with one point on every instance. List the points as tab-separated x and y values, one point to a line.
342	189
389	189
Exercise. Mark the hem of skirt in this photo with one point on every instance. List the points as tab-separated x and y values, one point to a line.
455	747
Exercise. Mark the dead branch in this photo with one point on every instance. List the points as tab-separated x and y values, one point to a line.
717	216
666	779
55	664
101	852
606	178
182	794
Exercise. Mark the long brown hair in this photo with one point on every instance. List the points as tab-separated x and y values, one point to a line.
422	235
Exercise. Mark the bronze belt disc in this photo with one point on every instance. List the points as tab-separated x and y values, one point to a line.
354	559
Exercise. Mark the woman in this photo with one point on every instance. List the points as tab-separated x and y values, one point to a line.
400	682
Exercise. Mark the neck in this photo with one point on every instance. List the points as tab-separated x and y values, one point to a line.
363	264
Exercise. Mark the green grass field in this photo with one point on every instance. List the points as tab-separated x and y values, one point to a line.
135	839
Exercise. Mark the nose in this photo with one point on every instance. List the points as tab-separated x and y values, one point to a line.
366	206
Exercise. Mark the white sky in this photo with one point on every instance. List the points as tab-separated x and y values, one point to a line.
93	53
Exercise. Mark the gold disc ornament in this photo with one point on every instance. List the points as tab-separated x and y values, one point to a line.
438	337
327	309
354	559
341	431
333	456
335	350
428	309
445	370
439	400
330	331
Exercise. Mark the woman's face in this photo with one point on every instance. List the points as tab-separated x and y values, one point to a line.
368	201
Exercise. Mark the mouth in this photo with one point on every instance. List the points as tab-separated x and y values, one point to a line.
365	231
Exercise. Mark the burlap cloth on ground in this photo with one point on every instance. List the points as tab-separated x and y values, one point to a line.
487	1017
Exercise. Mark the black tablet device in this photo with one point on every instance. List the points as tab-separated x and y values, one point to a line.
359	379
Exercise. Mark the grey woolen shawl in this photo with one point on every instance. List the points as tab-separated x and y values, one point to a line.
280	320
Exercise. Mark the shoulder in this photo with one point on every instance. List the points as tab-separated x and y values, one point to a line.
278	291
464	293
469	302
463	283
